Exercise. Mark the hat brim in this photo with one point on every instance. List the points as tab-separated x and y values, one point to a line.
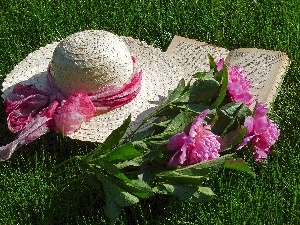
160	74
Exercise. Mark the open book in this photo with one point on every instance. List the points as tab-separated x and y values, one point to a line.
265	68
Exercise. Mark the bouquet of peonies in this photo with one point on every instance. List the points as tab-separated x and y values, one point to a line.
202	126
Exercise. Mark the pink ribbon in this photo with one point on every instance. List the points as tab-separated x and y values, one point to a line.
33	113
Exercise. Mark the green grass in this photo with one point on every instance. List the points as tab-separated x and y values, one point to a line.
27	196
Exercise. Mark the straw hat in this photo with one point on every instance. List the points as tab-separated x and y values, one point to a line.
92	59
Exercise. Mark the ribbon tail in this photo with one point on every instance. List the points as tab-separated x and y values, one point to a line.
7	150
32	131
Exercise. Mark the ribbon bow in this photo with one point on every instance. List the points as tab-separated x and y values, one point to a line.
33	112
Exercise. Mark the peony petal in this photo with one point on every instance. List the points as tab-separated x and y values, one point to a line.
274	132
262	133
198	123
220	64
261	110
200	145
239	85
177	141
175	159
260	154
261	125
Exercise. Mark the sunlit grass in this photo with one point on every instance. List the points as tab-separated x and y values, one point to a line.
28	196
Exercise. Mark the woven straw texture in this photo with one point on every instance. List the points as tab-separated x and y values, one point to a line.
160	74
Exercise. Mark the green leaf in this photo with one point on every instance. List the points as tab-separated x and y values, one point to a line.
145	172
143	134
239	165
112	209
196	108
120	196
200	75
235	109
203	194
120	180
158	143
219	75
134	162
162	122
176	178
212	63
178	124
141	146
187	193
122	153
113	171
163	189
233	138
204	75
203	168
146	190
229	117
236	114
111	141
184	97
202	91
223	90
94	182
190	172
138	188
177	92
170	110
194	174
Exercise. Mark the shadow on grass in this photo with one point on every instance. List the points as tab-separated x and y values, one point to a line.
81	203
72	204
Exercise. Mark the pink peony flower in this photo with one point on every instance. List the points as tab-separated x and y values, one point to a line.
200	145
238	84
261	132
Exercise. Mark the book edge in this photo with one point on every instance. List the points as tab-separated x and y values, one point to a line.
279	76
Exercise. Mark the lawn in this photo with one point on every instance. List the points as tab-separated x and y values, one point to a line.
27	196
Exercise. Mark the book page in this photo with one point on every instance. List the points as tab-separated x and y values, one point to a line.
191	54
265	69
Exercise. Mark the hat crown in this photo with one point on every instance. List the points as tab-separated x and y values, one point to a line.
89	60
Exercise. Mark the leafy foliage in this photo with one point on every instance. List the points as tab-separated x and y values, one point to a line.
128	167
270	199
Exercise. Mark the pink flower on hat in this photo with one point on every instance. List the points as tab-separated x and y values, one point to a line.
262	133
238	84
200	145
72	112
33	113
